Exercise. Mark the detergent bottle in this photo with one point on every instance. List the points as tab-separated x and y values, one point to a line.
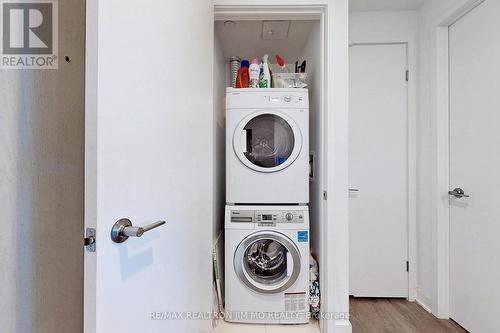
243	79
254	73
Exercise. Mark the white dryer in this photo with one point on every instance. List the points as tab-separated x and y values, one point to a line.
267	264
267	146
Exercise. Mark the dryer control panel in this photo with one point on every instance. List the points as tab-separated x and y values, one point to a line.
267	217
267	98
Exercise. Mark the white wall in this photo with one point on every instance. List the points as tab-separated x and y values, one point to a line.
382	27
430	15
397	27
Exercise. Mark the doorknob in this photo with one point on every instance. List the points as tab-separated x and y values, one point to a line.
458	193
123	229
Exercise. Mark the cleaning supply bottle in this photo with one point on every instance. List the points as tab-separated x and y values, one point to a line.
235	66
265	76
282	64
261	71
243	78
254	73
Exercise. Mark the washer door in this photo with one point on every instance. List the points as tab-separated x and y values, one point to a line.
267	262
267	141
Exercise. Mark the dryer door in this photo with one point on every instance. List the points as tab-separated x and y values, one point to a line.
267	141
267	262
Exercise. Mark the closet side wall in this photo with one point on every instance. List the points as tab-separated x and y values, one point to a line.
313	54
219	106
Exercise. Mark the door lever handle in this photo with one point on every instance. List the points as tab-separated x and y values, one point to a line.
353	190
123	229
458	193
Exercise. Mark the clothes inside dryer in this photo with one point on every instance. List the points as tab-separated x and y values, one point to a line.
265	261
270	140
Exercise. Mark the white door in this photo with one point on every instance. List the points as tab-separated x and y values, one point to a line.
378	171
474	43
149	158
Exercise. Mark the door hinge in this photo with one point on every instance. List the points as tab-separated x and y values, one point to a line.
89	240
408	266
407	76
325	195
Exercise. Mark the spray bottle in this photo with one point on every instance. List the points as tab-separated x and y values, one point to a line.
265	77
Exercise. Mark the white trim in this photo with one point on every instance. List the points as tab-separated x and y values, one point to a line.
90	178
411	157
423	305
442	153
342	326
336	226
267	12
412	170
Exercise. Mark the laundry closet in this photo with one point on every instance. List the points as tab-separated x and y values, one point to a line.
282	196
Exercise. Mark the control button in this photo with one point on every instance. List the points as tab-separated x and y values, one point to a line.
287	99
289	216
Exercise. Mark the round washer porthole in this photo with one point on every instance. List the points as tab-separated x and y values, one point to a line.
267	141
267	262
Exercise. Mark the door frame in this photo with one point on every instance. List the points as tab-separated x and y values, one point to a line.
411	160
441	136
333	17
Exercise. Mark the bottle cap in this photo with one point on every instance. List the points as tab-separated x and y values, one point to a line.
245	63
255	61
280	60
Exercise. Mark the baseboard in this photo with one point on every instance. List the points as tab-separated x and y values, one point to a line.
423	305
337	326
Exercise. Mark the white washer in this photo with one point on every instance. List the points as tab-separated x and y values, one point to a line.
267	264
267	146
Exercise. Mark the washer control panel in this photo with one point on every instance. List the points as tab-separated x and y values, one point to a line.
284	98
266	98
267	218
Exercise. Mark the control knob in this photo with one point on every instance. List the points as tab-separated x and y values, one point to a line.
289	216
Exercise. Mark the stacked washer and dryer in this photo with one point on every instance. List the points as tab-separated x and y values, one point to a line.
267	214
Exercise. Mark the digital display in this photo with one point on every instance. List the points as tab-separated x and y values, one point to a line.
267	217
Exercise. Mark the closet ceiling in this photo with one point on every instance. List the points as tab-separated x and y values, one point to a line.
244	39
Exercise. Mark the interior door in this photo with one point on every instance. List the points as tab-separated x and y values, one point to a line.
474	53
378	165
149	158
